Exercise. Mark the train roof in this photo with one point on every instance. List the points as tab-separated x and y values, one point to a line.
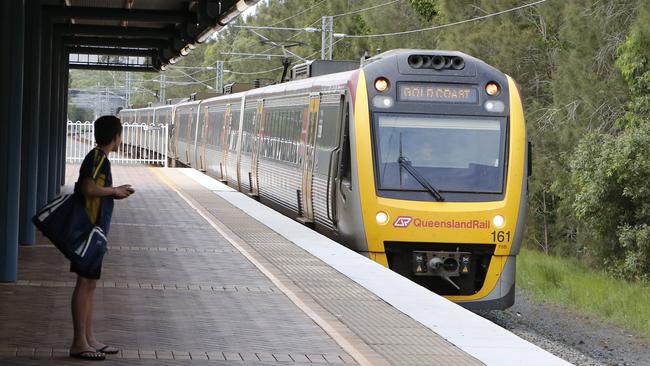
335	81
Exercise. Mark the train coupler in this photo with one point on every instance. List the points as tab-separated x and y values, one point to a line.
441	264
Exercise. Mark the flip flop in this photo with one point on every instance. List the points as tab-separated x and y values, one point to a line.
108	350
89	356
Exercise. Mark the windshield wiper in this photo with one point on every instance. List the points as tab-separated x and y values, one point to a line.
406	164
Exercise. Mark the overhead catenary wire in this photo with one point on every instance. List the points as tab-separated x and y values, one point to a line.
175	82
197	80
297	14
449	24
278	68
317	21
365	9
182	76
371	35
247	58
317	52
255	72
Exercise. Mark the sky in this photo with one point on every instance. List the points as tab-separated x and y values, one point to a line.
252	9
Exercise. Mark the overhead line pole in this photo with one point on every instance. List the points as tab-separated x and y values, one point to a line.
330	39
219	79
327	36
163	79
128	90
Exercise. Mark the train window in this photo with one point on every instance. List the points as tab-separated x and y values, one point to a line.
326	136
182	125
284	136
268	133
199	128
345	169
215	123
276	134
462	154
265	136
191	119
234	131
297	131
328	123
249	127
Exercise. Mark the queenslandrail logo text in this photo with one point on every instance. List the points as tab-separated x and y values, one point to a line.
405	221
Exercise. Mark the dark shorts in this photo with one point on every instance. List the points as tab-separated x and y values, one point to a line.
95	275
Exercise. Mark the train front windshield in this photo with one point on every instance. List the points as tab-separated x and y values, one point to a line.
454	154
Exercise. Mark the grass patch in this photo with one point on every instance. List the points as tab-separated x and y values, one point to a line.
569	283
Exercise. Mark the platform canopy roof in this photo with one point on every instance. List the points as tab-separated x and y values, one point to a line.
136	35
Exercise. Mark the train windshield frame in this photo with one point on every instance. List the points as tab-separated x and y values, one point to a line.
456	154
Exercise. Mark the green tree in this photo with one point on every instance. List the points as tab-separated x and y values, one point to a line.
610	171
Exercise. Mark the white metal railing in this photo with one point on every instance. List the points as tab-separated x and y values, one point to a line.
141	143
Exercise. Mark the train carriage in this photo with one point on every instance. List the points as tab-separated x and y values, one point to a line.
417	159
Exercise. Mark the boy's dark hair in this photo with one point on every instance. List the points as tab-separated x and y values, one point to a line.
106	128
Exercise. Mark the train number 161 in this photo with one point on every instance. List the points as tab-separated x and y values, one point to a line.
500	236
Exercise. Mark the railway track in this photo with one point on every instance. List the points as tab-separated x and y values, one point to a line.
577	338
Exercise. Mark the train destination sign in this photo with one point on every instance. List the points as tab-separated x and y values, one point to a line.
426	92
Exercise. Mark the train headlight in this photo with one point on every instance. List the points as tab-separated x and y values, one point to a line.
492	88
498	221
495	106
382	84
382	218
383	101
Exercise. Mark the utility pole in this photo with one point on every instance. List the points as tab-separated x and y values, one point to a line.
327	36
163	78
105	102
219	79
128	89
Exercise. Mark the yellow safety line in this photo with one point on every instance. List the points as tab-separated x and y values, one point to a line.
329	329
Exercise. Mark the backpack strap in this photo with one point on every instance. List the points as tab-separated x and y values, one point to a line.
99	166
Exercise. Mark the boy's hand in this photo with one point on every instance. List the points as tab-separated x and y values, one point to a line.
123	191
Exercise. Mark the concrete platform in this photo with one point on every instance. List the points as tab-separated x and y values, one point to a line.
199	274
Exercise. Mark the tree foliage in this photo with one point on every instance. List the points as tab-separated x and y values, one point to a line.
611	171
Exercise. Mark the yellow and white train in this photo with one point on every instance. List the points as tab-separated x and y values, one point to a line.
417	159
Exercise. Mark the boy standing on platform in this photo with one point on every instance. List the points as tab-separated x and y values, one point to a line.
95	184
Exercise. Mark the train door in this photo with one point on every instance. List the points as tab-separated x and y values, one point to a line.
183	126
201	140
173	136
225	132
233	138
258	135
240	126
192	129
306	201
343	195
328	152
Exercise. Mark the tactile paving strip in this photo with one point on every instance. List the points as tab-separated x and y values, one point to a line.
44	353
205	287
188	250
397	337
